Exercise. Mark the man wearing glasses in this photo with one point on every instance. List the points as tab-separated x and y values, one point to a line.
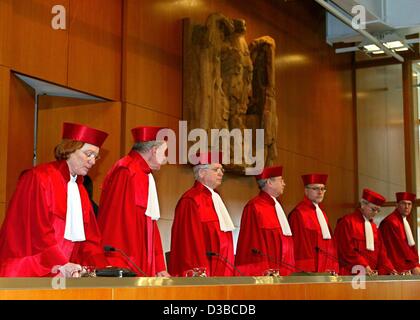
201	241
315	250
358	240
398	238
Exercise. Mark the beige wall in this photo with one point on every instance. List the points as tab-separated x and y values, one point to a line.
381	131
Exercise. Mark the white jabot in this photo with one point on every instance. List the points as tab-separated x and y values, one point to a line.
370	244
152	210
408	232
284	224
322	222
74	231
225	222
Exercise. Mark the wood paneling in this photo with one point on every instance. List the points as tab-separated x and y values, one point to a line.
4	128
2	211
106	116
38	49
267	292
172	293
67	294
152	56
300	290
5	26
20	133
95	43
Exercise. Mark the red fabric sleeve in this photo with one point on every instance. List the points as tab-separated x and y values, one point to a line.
27	240
188	249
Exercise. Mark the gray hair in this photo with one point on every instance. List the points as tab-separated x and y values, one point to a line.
364	202
261	183
197	168
146	146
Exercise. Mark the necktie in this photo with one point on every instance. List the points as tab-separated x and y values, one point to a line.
322	223
74	230
284	224
225	222
152	210
370	244
408	232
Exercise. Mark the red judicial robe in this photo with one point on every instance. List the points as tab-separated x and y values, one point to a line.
122	218
351	244
32	236
312	252
196	231
402	256
261	230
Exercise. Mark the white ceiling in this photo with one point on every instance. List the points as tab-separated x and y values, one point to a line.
399	17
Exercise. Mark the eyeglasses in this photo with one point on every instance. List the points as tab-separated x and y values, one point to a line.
217	170
322	189
374	209
91	155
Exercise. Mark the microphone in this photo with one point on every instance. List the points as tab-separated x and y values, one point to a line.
108	248
225	260
274	260
328	255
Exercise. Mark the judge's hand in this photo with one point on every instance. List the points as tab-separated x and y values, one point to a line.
371	272
71	270
394	272
416	271
163	273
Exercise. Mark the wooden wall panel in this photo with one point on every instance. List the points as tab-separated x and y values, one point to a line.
38	49
95	43
101	115
5	26
152	56
20	133
2	211
4	129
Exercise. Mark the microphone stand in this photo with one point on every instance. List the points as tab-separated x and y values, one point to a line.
225	260
111	249
281	263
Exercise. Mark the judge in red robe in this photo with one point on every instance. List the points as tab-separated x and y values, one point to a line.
129	208
359	243
201	241
315	250
265	243
398	237
50	227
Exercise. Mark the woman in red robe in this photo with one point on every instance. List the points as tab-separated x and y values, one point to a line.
50	225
